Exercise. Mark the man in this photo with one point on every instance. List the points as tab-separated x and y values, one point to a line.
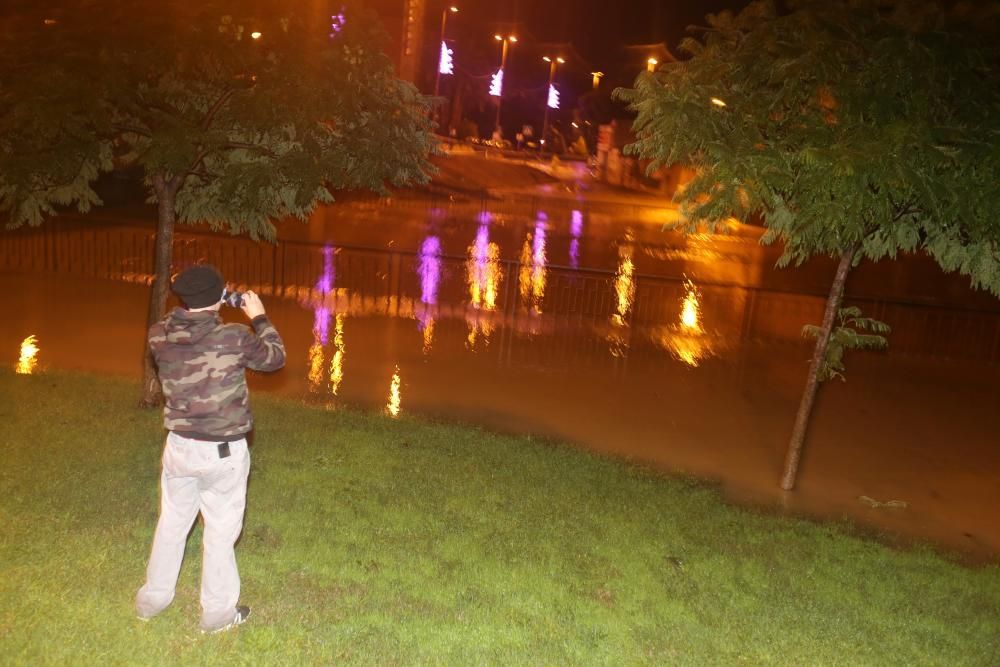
201	364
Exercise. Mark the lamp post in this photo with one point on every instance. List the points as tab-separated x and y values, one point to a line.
651	64
444	23
553	62
597	78
503	63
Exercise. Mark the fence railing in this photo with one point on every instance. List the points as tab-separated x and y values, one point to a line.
552	297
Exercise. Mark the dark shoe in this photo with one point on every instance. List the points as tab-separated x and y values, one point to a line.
242	614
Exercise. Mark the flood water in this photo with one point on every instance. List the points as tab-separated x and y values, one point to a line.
572	323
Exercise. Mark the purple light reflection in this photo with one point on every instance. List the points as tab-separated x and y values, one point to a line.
337	21
576	231
429	269
321	323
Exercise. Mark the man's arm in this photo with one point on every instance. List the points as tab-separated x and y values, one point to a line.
266	350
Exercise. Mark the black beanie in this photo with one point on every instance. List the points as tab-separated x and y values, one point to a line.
199	286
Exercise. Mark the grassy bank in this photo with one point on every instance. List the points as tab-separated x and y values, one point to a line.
377	541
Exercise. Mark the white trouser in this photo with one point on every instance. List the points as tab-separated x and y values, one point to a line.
195	478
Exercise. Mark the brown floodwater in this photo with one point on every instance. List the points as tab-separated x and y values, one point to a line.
684	354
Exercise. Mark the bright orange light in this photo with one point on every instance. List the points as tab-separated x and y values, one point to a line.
428	335
690	309
315	366
453	9
498	38
547	59
512	38
337	364
255	34
624	285
560	61
717	102
392	407
28	360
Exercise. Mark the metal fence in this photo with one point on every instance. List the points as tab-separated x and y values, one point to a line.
569	299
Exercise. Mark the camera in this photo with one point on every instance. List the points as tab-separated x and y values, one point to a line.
232	299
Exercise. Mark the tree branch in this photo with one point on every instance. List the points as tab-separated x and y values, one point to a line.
207	122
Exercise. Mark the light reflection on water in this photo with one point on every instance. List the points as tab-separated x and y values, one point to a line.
576	232
321	321
392	406
429	270
483	275
29	356
624	282
533	273
337	364
688	341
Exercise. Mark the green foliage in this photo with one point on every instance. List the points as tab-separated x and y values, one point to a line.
245	130
845	123
847	335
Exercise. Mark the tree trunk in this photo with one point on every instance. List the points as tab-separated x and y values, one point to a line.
166	193
833	302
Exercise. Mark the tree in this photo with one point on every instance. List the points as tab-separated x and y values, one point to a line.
237	113
857	129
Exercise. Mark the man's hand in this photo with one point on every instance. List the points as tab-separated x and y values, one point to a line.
252	305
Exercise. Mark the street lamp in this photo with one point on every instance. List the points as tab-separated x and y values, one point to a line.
553	62
498	78
651	64
444	48
597	78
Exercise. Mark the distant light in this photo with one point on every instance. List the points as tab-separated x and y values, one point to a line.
498	38
575	125
717	102
337	21
445	63
651	64
255	34
512	38
453	10
553	97
652	61
547	59
50	21
560	61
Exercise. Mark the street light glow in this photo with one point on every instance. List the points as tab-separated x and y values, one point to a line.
453	10
717	102
496	83
560	61
255	34
553	101
446	64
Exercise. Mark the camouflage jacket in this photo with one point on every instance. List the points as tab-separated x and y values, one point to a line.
201	364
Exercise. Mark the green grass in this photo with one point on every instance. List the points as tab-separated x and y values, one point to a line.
378	541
